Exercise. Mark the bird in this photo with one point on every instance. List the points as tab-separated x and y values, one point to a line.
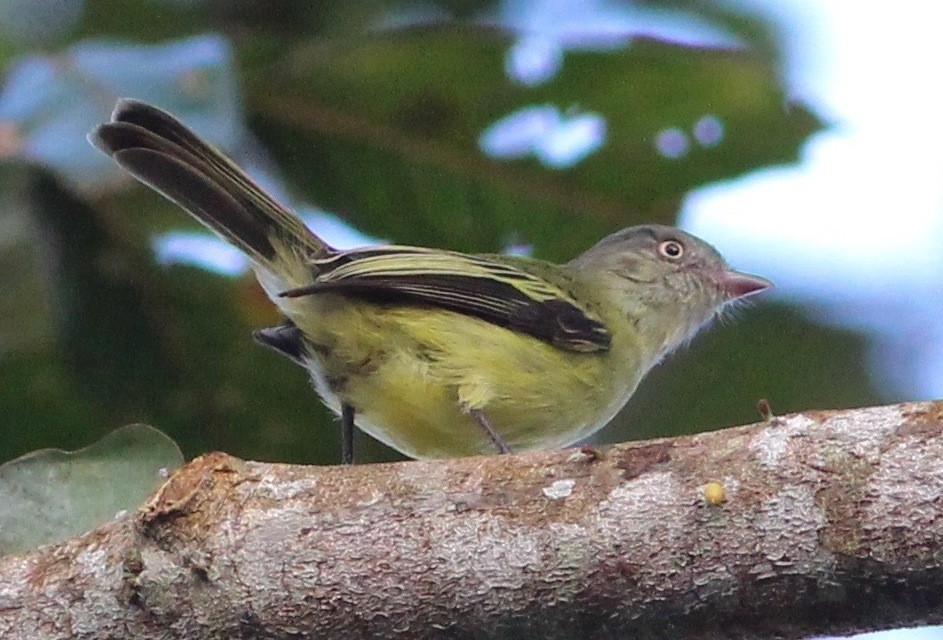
438	353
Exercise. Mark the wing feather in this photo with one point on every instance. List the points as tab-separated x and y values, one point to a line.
494	291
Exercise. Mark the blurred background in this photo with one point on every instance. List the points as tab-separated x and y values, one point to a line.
801	138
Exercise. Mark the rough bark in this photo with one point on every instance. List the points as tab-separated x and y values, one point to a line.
831	522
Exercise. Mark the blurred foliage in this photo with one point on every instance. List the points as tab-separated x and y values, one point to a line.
380	125
769	352
414	102
51	495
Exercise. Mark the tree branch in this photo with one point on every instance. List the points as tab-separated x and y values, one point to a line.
832	523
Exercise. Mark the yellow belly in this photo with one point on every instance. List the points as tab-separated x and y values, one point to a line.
413	374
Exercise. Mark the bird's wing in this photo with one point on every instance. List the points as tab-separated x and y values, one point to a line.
477	286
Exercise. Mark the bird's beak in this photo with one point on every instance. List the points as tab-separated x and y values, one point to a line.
740	285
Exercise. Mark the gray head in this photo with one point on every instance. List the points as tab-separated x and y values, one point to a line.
679	280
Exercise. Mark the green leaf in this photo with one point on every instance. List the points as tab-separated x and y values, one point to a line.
773	351
386	129
136	342
24	318
51	495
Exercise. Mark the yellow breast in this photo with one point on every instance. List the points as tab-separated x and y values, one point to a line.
412	374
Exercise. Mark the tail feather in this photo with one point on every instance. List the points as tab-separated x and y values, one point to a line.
164	154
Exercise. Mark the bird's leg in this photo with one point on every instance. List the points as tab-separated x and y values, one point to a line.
482	421
347	434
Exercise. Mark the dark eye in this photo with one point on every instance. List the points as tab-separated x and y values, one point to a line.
671	250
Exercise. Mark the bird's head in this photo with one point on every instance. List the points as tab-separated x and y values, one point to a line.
669	282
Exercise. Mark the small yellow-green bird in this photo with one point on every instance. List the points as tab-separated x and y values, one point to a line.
437	353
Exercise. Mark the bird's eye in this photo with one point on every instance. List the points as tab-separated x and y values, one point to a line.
671	249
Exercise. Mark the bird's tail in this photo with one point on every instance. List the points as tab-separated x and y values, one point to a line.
161	152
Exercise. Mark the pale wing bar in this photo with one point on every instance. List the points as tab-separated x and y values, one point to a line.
492	291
